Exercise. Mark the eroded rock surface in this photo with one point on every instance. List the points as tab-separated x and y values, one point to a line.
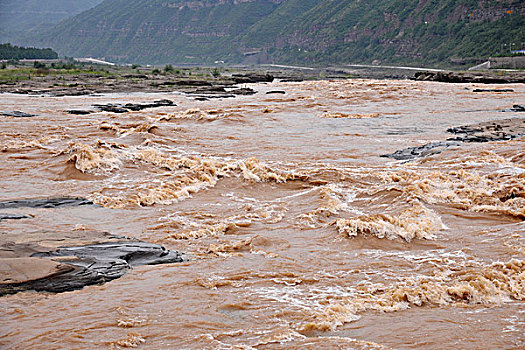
7	216
501	130
467	77
41	265
421	151
44	203
252	78
493	90
124	108
17	114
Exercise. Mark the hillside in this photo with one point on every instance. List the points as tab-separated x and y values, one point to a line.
396	31
290	31
25	18
158	30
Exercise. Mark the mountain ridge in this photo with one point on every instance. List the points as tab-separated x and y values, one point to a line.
289	31
20	19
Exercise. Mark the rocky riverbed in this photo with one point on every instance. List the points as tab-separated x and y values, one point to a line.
485	77
59	261
121	80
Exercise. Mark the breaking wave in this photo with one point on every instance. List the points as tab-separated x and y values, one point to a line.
92	160
492	284
415	222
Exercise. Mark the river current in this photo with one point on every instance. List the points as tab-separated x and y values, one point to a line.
298	234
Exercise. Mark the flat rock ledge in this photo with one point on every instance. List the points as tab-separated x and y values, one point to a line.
44	203
500	130
9	216
17	114
470	77
34	267
57	262
122	108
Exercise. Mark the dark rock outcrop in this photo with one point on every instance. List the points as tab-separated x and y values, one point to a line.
208	96
420	151
79	111
155	104
492	90
80	266
456	77
276	92
501	130
292	79
17	114
6	216
45	203
243	91
210	90
518	108
136	76
124	108
113	108
252	78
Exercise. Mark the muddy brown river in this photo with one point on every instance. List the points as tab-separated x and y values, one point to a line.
297	234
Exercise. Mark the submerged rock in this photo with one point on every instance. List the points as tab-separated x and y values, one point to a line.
79	111
492	90
17	114
45	203
460	77
208	96
420	151
6	216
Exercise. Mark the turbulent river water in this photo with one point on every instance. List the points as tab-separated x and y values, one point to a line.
298	234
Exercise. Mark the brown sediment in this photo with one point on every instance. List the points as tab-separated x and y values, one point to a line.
298	234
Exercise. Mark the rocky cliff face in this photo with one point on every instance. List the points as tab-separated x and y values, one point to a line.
313	31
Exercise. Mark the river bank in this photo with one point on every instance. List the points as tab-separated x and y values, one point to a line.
218	82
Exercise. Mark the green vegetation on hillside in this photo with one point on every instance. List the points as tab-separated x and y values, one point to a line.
292	31
8	52
393	31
